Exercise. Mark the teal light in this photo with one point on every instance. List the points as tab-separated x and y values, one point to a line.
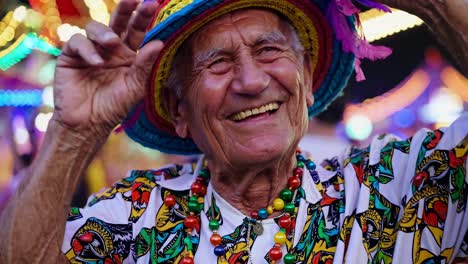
23	49
17	98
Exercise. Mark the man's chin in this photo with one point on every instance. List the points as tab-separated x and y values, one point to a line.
260	153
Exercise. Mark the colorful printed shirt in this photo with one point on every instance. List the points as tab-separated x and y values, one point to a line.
402	201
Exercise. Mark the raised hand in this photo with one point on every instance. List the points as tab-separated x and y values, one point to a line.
448	21
99	78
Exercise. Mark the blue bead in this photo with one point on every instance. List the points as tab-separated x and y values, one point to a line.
299	157
262	213
310	165
220	250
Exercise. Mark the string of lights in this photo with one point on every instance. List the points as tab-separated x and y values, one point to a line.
377	24
22	48
21	98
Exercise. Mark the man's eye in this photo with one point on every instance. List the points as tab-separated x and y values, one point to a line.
220	65
270	49
218	61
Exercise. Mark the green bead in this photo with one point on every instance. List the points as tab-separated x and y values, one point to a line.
289	208
204	173
286	195
188	243
289	258
194	207
214	225
300	164
193	198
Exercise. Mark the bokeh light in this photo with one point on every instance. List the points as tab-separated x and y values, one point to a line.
404	118
358	127
66	31
46	73
48	96
443	108
20	133
42	121
20	13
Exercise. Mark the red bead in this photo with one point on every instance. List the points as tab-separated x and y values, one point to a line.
196	187
275	253
285	222
294	182
216	239
297	172
191	222
170	200
254	214
187	260
202	191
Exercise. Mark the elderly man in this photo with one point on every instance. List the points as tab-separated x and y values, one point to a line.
236	81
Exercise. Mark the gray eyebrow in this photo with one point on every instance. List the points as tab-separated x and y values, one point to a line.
207	55
272	37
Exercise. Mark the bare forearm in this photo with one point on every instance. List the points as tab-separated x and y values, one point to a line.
447	21
34	220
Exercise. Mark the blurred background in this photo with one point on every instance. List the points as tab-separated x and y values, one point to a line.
415	87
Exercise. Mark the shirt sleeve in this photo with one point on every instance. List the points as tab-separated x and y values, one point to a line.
406	199
433	223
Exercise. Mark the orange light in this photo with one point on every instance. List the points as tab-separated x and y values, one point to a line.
455	82
381	107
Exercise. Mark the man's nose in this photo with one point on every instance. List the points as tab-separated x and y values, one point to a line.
250	78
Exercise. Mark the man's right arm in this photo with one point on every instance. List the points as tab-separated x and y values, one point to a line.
33	222
99	78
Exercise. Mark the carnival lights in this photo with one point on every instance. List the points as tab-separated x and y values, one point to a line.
22	48
42	121
66	31
18	98
377	24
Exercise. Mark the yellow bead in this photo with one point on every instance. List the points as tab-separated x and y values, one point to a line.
270	209
278	204
280	238
200	200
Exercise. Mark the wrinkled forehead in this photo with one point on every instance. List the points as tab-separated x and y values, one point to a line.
250	22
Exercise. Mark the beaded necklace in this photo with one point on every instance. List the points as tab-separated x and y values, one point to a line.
284	203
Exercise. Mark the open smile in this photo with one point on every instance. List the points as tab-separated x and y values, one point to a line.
253	112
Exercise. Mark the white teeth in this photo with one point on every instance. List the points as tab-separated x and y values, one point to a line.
254	111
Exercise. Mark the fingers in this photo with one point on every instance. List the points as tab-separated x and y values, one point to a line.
121	15
102	34
80	46
139	23
148	54
145	60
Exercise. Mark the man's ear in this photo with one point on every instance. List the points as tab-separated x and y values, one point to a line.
308	79
178	114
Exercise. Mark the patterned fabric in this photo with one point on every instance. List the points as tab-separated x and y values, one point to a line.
402	201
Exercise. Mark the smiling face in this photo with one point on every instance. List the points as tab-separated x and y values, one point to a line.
249	87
